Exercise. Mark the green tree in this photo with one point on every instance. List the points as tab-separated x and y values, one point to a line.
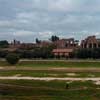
12	58
87	53
54	38
4	44
37	40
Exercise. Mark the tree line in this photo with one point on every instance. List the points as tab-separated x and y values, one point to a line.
46	52
43	52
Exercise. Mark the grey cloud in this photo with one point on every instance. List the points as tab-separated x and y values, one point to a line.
61	17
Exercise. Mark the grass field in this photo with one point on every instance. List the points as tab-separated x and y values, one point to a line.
52	90
42	73
58	64
64	63
48	90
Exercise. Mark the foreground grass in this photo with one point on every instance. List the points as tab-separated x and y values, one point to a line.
48	90
47	73
52	90
54	64
58	64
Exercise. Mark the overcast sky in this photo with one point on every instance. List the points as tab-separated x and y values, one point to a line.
27	19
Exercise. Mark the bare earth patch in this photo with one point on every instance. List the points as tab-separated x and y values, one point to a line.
97	82
71	74
17	75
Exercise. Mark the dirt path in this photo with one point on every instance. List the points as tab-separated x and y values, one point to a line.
48	78
94	80
62	69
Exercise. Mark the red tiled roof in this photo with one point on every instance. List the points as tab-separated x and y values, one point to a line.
62	50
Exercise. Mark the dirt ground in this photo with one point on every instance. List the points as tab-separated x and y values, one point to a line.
52	69
96	80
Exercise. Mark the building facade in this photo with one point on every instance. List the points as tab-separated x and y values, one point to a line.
65	47
62	52
90	42
43	44
66	43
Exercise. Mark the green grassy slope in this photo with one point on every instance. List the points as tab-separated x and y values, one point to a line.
52	90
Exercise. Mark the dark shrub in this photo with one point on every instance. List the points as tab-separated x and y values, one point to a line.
12	58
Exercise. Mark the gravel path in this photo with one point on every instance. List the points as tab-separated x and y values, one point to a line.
94	80
48	78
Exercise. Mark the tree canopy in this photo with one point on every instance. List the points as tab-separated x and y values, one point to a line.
54	38
4	44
